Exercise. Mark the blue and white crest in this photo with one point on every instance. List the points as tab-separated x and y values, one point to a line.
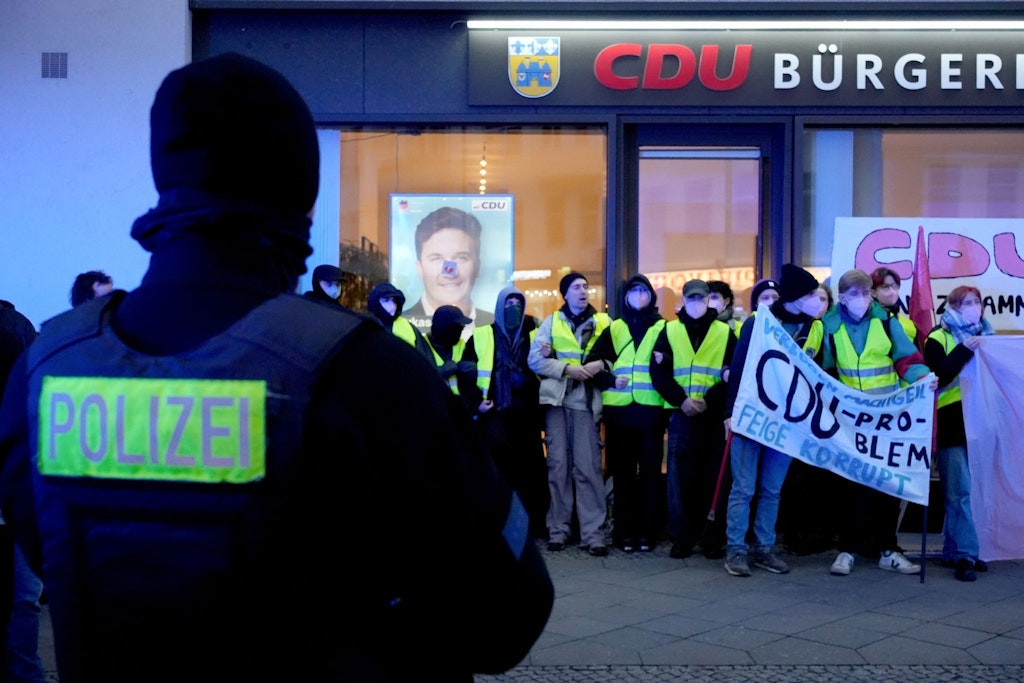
533	65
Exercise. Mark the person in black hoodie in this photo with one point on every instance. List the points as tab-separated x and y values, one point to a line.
690	371
634	416
385	304
253	455
505	394
326	285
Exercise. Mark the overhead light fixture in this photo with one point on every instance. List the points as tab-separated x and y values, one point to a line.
749	25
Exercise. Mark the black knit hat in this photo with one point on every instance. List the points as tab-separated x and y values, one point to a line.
759	287
235	128
567	281
795	283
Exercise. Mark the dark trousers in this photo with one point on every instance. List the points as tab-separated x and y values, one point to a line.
514	438
867	520
634	455
696	447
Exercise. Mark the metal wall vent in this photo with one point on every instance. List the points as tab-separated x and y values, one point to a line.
55	65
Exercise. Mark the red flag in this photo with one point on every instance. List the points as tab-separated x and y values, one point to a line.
921	300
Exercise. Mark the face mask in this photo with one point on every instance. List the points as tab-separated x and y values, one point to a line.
811	306
716	303
696	309
858	307
513	317
332	291
638	298
389	306
972	314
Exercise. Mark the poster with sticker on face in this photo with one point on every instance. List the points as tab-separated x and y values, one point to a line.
451	249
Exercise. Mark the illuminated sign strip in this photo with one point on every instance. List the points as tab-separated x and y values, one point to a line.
747	25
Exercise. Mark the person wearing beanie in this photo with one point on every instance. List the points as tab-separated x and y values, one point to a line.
757	470
720	298
692	359
238	427
634	416
326	285
559	355
765	292
506	401
867	349
385	304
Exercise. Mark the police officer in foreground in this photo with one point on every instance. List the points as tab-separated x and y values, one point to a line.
206	468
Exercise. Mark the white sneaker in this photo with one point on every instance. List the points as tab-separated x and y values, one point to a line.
843	565
895	561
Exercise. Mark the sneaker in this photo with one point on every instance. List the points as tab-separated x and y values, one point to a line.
736	564
843	565
980	566
895	561
964	570
598	550
769	561
646	545
556	546
628	545
680	551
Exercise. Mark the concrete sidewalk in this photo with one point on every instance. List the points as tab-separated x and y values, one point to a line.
647	617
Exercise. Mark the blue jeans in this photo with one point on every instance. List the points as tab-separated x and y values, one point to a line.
960	539
755	468
23	662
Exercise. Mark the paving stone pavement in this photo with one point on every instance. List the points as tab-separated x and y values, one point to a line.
648	617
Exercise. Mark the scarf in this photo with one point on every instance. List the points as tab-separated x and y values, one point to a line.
954	323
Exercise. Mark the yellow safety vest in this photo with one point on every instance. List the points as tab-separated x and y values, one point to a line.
696	372
404	330
564	343
815	335
908	326
634	364
456	357
951	393
872	371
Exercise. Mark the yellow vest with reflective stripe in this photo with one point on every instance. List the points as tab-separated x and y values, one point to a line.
872	371
697	372
457	350
951	394
815	335
483	344
908	326
564	343
404	330
634	364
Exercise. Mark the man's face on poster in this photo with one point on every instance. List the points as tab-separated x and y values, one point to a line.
448	265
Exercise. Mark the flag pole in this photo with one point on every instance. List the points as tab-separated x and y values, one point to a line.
922	313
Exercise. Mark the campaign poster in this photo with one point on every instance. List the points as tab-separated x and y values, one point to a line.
451	249
983	252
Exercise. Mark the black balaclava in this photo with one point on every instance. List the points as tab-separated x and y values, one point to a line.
383	291
233	149
235	159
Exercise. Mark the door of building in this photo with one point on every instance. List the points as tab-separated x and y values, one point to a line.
709	204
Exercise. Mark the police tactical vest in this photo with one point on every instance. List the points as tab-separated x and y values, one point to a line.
157	475
872	371
634	363
696	372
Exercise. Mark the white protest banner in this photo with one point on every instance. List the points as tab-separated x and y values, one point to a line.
787	402
982	252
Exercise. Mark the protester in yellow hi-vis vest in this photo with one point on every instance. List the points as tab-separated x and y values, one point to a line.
635	416
692	357
948	348
867	349
505	395
721	299
572	413
759	472
446	344
385	303
885	288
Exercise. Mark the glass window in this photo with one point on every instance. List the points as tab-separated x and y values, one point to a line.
555	175
939	173
699	212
